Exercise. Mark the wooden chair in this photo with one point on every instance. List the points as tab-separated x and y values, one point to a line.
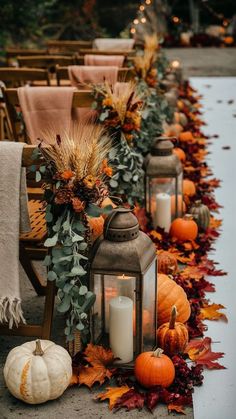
12	53
124	74
38	233
45	61
84	51
82	98
16	77
68	47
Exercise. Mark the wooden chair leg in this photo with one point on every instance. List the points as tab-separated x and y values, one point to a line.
48	310
31	272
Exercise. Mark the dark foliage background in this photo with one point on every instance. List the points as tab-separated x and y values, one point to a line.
30	22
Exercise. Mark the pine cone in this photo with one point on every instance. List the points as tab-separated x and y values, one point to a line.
63	196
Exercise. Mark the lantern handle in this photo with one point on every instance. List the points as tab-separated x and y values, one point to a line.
116	199
112	215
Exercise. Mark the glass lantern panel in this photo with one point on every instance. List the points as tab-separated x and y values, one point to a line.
149	308
118	286
97	320
180	195
162	201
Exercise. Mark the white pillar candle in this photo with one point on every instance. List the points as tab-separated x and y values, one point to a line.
115	286
163	211
121	328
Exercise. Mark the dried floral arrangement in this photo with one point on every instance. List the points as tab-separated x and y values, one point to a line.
74	170
119	109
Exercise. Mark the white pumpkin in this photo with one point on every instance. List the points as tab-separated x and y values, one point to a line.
38	371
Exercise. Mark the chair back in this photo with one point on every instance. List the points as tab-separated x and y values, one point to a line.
12	53
68	47
62	75
129	53
81	99
46	61
15	77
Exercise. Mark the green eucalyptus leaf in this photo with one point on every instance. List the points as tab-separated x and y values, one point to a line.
77	238
80	326
83	290
49	217
47	260
52	276
64	306
38	176
51	241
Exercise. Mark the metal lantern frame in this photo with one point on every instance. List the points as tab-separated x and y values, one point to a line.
124	250
162	163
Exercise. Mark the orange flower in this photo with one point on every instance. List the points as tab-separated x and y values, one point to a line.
67	174
107	102
89	181
129	137
106	169
78	205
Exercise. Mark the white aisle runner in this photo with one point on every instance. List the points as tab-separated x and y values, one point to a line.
216	399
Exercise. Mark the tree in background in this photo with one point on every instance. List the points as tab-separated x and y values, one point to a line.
30	22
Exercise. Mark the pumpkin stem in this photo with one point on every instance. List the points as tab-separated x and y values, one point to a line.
38	350
157	353
173	317
187	217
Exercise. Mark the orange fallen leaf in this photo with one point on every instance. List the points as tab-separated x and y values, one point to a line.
210	312
98	355
90	375
99	359
113	394
199	351
214	223
192	272
74	380
156	235
176	408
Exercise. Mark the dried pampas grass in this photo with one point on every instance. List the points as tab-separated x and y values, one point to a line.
82	151
122	97
151	42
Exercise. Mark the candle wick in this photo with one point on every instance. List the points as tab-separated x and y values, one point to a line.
120	299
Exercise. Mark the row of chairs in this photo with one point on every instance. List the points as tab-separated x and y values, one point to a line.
15	77
44	59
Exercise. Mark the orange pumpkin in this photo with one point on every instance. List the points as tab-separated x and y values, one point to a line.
180	202
180	153
174	130
96	227
169	294
154	369
167	263
228	40
189	187
186	136
172	337
184	228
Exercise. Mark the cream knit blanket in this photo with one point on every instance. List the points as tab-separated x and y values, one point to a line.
13	217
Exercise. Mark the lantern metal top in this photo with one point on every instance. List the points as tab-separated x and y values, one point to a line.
162	161
121	225
123	247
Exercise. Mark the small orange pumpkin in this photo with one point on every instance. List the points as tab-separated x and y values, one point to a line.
154	369
184	228
169	294
167	263
186	136
189	187
174	130
180	153
172	337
